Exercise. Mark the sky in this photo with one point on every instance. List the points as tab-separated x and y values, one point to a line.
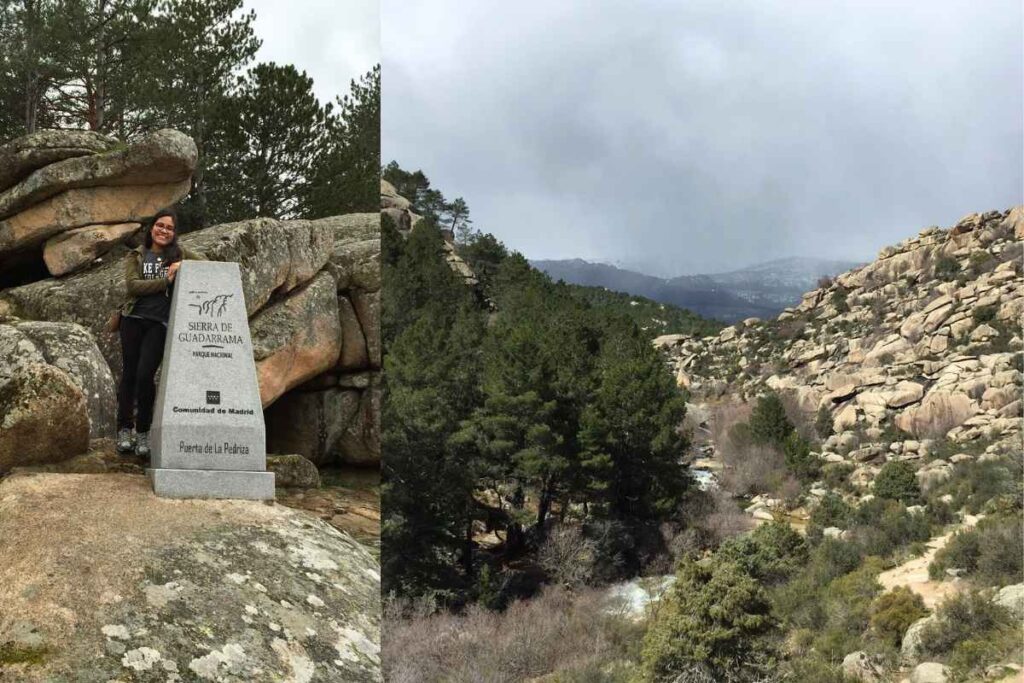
696	137
333	41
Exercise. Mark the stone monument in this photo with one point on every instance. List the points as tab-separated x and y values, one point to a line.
208	436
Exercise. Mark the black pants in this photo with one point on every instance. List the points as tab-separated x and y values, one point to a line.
142	349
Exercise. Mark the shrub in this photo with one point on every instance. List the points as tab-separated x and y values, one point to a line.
839	300
567	556
894	612
831	511
984	314
804	465
980	259
992	552
971	632
556	631
896	480
975	484
770	554
946	268
836	475
823	423
884	526
715	618
768	421
825	281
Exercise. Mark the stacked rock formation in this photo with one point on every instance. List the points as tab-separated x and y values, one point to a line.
921	346
311	290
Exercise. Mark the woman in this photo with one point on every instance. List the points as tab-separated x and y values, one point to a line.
149	278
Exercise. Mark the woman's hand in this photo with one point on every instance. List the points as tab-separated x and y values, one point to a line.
172	270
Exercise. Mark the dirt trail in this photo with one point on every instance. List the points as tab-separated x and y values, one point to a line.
914	573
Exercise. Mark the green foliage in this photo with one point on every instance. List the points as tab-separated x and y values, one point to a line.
771	553
484	253
984	314
839	300
832	511
894	612
650	316
631	448
768	421
883	526
946	268
977	485
345	173
823	422
433	336
971	632
981	260
896	480
266	136
804	465
488	588
716	619
992	553
836	475
528	417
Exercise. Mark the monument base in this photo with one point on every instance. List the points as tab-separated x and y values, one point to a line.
242	484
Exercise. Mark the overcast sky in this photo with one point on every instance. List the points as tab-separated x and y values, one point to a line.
686	137
333	41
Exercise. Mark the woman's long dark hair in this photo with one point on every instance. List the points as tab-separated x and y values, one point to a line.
173	250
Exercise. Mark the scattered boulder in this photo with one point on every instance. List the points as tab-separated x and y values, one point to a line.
910	648
43	417
940	411
354	354
1012	598
70	349
930	672
293	471
862	666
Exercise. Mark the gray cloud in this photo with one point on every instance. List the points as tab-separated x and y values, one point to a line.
333	41
704	136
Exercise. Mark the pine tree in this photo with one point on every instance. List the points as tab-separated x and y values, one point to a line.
263	143
345	175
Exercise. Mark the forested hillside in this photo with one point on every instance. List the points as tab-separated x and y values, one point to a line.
514	408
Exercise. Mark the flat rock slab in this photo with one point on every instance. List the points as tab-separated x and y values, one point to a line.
86	206
21	156
74	249
102	580
163	157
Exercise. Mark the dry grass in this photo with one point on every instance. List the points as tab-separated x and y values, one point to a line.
748	469
557	631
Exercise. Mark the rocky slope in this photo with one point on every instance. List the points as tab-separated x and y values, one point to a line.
399	210
921	346
71	205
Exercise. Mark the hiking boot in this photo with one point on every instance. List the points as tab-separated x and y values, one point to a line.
125	442
142	444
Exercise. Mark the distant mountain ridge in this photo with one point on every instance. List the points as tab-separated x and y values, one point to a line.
759	291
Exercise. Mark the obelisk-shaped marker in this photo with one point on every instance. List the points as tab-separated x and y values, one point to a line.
209	440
